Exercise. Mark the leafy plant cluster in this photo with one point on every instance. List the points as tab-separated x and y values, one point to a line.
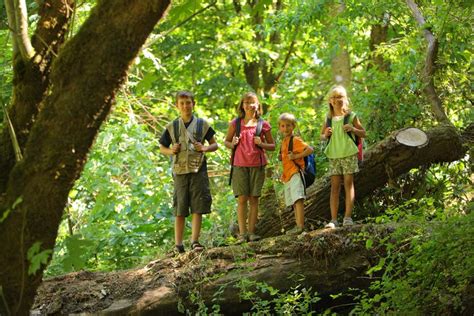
428	269
428	266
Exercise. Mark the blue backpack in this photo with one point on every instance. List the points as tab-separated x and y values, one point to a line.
308	174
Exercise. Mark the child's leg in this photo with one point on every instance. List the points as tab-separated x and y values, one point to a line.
242	213
299	213
349	193
196	226
253	215
334	199
179	229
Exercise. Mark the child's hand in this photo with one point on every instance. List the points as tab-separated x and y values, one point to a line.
328	132
235	141
257	140
291	156
199	147
348	128
176	148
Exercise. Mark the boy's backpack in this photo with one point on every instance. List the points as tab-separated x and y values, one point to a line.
199	128
358	141
258	132
308	173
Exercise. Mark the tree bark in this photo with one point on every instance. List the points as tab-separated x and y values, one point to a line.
385	161
328	261
83	80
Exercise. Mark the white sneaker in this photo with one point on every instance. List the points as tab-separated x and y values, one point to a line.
332	224
347	221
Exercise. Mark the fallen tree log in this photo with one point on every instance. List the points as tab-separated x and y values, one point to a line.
327	261
397	154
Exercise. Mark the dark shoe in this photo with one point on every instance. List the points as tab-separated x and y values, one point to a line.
197	246
179	249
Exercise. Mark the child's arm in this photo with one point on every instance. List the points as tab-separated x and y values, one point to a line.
207	149
325	132
357	128
269	143
306	152
170	151
230	140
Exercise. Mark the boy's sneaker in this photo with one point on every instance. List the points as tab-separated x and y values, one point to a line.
197	246
295	231
332	224
253	237
179	249
347	221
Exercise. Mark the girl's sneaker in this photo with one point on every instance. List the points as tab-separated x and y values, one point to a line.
347	221
332	224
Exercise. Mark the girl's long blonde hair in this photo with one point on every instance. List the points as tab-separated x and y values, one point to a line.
338	90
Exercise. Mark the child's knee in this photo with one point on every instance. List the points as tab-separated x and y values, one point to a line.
243	199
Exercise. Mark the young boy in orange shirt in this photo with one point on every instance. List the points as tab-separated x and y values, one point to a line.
293	162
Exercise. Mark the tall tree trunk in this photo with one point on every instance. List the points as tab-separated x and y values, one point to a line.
341	60
265	73
83	81
378	35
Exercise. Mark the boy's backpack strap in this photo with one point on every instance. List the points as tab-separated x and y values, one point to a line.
290	144
175	136
199	128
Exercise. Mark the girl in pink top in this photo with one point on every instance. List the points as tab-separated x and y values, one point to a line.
249	161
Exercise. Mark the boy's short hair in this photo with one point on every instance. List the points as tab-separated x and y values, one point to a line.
184	94
287	117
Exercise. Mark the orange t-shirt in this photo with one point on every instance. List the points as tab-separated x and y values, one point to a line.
289	167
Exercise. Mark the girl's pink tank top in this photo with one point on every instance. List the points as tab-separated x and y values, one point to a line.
247	153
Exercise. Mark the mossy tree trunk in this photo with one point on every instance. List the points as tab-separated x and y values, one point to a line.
327	261
57	129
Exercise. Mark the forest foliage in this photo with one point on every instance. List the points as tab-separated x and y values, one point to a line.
119	213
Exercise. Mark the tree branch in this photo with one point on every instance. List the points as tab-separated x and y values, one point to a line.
12	23
430	65
287	57
23	39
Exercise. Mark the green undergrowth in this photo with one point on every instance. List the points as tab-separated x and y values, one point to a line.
428	270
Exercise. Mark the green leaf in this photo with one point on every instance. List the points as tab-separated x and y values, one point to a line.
37	257
369	243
